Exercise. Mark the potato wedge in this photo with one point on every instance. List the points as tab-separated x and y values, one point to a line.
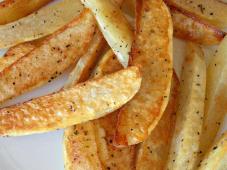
152	53
15	53
80	148
11	10
153	152
50	59
85	64
189	27
185	142
39	24
213	11
103	129
216	158
83	102
114	26
216	95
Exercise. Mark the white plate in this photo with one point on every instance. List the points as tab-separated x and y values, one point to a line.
44	151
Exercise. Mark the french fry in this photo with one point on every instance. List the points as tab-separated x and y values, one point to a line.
11	10
216	95
216	158
57	53
80	148
153	152
39	24
185	142
189	27
100	135
83	102
114	26
152	53
213	11
86	63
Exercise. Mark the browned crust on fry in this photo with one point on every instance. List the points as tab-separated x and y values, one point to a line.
49	59
15	9
153	152
86	101
189	27
152	51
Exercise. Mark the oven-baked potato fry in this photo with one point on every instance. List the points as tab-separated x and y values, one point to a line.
51	58
152	53
216	95
185	142
213	11
189	27
153	152
83	102
85	64
39	24
100	135
216	158
114	26
11	10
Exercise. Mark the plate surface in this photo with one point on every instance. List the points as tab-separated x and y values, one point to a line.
44	151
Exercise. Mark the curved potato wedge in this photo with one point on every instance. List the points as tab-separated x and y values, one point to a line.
216	158
86	101
39	24
85	64
101	135
11	10
50	59
152	53
153	152
216	94
189	27
213	11
114	26
185	142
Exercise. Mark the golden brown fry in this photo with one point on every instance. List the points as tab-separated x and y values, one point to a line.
114	26
153	152
83	102
152	53
216	94
11	10
39	24
212	11
103	129
189	27
216	158
185	142
50	59
80	148
85	64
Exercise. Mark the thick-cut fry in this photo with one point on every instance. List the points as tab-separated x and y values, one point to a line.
212	11
39	24
15	53
86	101
216	94
46	62
114	27
11	10
103	129
80	148
189	27
185	142
152	53
216	158
153	152
86	63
